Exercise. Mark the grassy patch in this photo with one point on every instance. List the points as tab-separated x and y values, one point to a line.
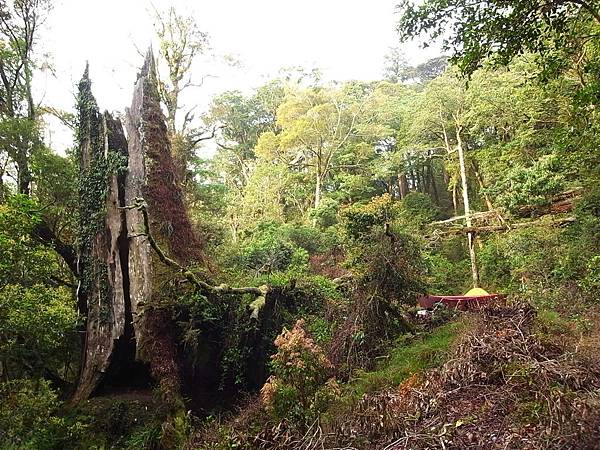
409	355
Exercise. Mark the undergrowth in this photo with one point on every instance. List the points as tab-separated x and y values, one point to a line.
409	355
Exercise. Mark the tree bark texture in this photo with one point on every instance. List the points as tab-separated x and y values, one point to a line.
101	288
120	274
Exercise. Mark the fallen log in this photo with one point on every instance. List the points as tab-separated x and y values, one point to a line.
503	227
562	202
477	215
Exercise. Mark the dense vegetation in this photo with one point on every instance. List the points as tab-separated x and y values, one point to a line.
286	268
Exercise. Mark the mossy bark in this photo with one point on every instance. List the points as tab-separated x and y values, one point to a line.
153	176
101	289
127	313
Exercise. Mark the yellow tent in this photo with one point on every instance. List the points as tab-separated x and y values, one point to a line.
476	292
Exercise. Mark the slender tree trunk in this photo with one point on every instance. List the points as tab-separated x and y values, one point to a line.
454	200
446	175
403	185
318	190
23	173
479	178
471	235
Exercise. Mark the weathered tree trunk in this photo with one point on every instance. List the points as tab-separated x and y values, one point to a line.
127	314
101	291
402	185
454	199
152	175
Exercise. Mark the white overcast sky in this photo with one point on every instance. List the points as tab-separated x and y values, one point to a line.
346	39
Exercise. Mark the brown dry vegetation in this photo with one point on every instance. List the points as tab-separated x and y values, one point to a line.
509	384
503	388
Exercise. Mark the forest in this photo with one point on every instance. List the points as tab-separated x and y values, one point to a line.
270	295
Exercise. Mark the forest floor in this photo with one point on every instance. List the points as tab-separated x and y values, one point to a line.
499	378
515	379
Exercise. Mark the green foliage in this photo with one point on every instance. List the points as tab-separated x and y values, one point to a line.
533	185
491	30
273	248
359	220
309	238
23	259
351	170
37	326
37	318
325	215
541	262
29	419
145	437
409	355
448	275
268	252
55	187
418	208
591	282
388	265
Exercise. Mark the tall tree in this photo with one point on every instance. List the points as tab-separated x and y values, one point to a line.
396	66
181	43
240	120
19	26
319	128
500	30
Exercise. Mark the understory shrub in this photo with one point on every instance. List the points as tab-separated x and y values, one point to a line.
29	419
299	370
418	209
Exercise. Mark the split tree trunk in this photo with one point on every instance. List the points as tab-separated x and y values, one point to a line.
127	315
101	296
153	176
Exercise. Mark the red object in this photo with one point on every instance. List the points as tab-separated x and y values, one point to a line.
460	302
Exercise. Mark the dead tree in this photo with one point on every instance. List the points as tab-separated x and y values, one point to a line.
152	175
134	233
126	318
101	289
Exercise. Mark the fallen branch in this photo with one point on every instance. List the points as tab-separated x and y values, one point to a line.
504	227
477	215
140	205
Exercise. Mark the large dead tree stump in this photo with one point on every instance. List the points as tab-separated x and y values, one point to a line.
127	313
152	175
